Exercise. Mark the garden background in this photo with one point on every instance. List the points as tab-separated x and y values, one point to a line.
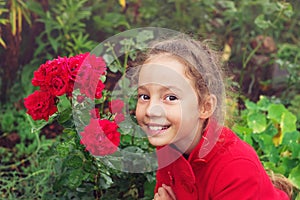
260	47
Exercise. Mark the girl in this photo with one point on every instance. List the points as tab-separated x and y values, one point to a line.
180	101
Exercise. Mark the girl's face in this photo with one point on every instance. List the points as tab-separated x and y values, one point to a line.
167	108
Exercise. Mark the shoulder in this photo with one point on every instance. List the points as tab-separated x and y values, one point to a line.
232	153
236	177
238	172
232	147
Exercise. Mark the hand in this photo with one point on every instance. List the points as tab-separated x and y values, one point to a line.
164	193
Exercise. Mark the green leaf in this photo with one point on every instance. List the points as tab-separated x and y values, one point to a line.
263	103
114	67
75	178
288	122
63	103
273	154
144	36
63	149
290	140
70	132
271	130
257	121
108	58
64	108
242	130
288	164
149	188
65	116
36	7
287	9
275	112
294	176
73	161
269	166
54	44
250	105
247	138
261	22
105	181
264	141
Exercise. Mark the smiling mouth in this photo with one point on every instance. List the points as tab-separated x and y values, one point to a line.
156	129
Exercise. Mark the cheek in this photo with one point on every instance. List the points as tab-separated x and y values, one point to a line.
139	112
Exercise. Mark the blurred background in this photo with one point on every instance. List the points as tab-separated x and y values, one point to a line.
260	45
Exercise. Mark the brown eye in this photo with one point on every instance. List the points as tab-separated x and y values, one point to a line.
143	97
171	98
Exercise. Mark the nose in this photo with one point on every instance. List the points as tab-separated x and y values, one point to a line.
155	109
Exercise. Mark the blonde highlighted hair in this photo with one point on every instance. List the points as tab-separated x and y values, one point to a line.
282	183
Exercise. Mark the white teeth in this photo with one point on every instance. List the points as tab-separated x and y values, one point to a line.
156	128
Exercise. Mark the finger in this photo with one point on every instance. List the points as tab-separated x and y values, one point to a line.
163	194
169	190
156	196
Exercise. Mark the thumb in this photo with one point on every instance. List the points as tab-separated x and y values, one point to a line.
170	191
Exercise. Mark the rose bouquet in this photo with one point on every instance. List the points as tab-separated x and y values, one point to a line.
97	144
79	81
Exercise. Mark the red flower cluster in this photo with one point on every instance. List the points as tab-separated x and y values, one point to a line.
100	137
61	76
40	105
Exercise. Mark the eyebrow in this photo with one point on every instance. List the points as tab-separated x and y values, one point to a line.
164	88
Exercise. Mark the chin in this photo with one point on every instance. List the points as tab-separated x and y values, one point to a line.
156	143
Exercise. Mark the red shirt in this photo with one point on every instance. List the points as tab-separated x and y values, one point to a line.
230	171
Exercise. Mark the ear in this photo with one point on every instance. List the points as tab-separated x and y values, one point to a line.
208	106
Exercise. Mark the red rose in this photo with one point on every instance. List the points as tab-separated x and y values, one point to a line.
70	88
39	76
88	77
100	137
91	86
40	105
119	118
74	64
52	76
95	63
99	89
57	83
116	106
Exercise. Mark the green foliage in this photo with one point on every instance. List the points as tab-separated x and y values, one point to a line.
64	28
271	129
12	120
288	59
295	107
22	175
